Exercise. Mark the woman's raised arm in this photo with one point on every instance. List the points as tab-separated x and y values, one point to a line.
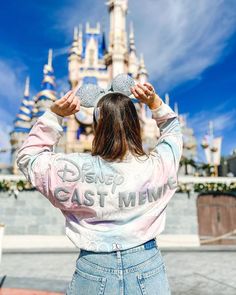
169	147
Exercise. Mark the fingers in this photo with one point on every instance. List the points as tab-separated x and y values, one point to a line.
65	97
141	92
68	100
145	89
135	93
149	86
74	105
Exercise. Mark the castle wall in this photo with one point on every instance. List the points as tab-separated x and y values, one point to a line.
33	214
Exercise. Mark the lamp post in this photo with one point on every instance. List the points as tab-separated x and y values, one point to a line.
212	148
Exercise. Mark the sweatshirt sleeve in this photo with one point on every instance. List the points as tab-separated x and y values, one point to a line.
37	160
170	143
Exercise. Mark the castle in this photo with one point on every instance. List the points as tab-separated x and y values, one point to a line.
89	61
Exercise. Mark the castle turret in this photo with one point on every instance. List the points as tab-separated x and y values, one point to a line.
142	72
80	40
176	108
133	61
74	58
22	124
118	49
47	95
167	99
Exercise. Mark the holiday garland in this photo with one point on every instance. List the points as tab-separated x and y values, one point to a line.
208	188
13	187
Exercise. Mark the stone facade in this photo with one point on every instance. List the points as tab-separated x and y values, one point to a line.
32	214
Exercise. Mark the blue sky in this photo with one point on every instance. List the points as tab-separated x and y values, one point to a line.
189	49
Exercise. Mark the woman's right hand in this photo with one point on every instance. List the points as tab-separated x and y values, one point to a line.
146	94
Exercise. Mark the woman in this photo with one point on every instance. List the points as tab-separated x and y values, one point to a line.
113	199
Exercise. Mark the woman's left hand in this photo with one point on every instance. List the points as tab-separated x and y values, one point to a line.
68	105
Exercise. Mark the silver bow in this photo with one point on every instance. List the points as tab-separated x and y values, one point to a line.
90	94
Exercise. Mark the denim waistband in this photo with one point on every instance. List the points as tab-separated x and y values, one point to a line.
145	246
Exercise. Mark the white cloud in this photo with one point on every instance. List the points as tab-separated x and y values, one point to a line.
222	120
11	86
179	39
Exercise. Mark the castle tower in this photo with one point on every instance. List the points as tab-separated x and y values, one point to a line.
176	108
133	61
22	124
47	95
142	78
74	58
167	99
117	58
86	65
89	61
142	72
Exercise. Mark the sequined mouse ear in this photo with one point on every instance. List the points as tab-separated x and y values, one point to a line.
89	95
122	83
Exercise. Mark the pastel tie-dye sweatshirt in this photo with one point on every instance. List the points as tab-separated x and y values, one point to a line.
107	205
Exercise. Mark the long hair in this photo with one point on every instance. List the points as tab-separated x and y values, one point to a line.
117	129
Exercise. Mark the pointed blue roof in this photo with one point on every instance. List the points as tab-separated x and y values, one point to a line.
47	94
22	123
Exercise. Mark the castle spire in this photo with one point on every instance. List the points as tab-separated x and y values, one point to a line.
133	65
176	108
75	33
131	38
22	123
80	40
74	57
142	66
47	95
118	48
27	87
50	58
167	99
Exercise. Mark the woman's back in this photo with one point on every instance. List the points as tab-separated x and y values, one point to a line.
113	199
105	202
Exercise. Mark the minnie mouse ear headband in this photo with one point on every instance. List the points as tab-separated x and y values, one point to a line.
90	94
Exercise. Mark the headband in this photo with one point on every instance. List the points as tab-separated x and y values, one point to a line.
89	94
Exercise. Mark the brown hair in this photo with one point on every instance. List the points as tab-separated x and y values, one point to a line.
117	129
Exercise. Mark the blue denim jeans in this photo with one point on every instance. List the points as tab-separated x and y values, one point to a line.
135	271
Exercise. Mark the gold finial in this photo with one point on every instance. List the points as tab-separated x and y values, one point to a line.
50	58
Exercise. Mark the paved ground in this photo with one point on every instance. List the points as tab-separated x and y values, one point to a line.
190	272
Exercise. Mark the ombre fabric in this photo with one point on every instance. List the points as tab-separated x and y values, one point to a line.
135	271
107	205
